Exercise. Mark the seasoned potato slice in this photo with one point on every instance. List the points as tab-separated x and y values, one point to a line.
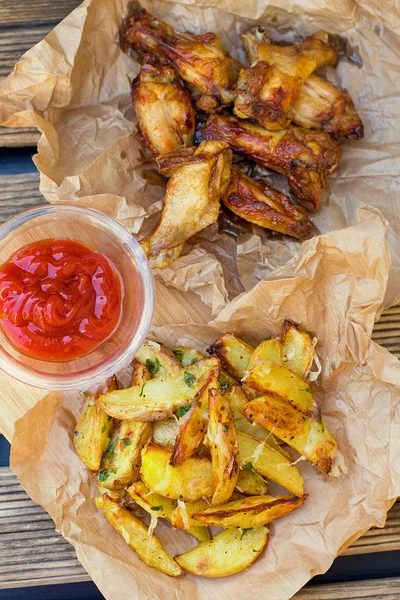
165	432
159	398
259	457
117	495
306	435
251	483
275	379
92	430
227	553
135	534
223	446
238	401
268	350
121	461
190	481
297	349
158	359
187	356
233	353
249	512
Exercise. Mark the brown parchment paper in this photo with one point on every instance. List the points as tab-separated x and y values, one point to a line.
75	87
334	287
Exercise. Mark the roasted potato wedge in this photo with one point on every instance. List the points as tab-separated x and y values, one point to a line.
249	512
140	373
92	430
135	534
233	353
251	484
165	432
223	446
268	378
182	518
192	426
117	495
227	553
159	398
259	457
190	481
297	349
268	350
309	437
159	360
187	356
121	461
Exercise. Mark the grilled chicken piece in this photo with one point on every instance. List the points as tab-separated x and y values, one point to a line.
305	156
199	59
267	90
192	197
163	107
321	105
259	203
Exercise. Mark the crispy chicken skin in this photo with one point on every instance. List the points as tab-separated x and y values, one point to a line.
192	198
305	156
321	105
199	59
267	90
163	107
259	203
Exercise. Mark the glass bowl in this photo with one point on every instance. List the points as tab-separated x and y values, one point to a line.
107	236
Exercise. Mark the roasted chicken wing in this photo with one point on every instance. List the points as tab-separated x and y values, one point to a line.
260	204
199	59
267	90
192	197
305	156
321	105
163	107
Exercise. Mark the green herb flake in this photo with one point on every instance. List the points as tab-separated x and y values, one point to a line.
157	507
182	410
244	531
249	467
189	379
103	475
254	550
179	354
127	442
141	391
308	391
153	365
85	393
194	360
110	448
226	426
103	429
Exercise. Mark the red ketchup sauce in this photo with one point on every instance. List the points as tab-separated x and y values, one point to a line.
59	299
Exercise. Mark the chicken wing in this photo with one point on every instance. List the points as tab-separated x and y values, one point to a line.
321	105
261	204
199	59
305	156
267	90
163	107
192	198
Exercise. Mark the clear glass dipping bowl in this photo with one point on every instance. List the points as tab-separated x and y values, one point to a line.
107	236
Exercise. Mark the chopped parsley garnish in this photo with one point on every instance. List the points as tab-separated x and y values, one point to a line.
110	448
141	391
85	393
103	475
182	410
249	467
157	507
307	390
189	379
179	354
153	365
127	442
103	429
194	360
244	531
224	386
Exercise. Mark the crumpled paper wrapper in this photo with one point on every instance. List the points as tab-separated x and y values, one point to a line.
75	87
334	288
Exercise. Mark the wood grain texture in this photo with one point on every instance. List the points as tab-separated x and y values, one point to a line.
377	589
18	138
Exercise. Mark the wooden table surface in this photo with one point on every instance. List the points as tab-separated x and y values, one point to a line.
31	552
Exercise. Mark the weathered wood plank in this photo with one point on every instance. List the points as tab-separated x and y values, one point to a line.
21	13
376	589
18	193
18	138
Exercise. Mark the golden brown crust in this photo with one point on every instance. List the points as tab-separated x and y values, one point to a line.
259	203
305	156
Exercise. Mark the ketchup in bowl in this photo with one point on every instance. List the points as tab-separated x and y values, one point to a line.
59	299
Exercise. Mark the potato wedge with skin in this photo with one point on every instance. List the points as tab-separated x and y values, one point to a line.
251	484
135	534
268	350
140	373
165	432
182	518
192	426
297	349
187	356
238	401
309	437
275	379
121	461
269	463
160	397
159	360
190	481
227	553
233	353
223	447
92	430
249	512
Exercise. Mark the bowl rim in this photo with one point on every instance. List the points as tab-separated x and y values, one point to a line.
94	375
